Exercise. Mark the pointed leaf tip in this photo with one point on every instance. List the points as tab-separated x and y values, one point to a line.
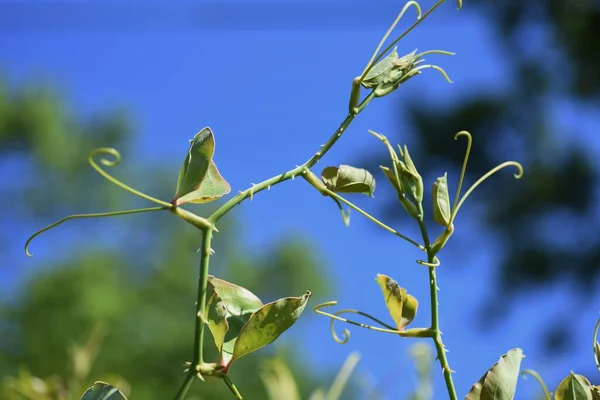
199	179
401	305
574	387
500	381
266	324
442	209
229	307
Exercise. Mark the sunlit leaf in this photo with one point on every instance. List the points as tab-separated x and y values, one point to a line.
441	201
381	70
216	316
103	391
237	304
347	179
212	187
266	324
196	163
500	381
574	387
401	305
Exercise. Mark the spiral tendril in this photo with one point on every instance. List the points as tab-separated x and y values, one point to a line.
436	263
435	67
112	179
491	172
464	165
346	333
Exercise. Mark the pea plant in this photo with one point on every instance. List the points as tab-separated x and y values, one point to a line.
240	323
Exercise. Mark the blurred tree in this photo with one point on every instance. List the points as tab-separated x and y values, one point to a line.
546	221
142	289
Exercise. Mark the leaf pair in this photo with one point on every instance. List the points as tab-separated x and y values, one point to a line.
199	179
241	324
401	305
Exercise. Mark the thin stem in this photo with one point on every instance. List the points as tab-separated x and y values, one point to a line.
464	165
91	215
491	172
373	219
410	28
185	386
201	302
198	357
291	174
417	332
435	325
232	387
370	64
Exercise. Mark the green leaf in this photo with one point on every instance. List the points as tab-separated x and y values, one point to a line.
237	299
266	324
229	307
574	387
441	201
196	163
381	70
500	381
347	179
212	187
216	316
401	305
103	391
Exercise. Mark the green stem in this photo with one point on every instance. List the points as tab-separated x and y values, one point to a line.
410	28
201	302
373	219
232	387
435	324
198	357
291	174
185	386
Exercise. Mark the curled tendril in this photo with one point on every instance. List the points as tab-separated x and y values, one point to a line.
79	216
435	263
375	57
420	18
491	172
346	333
435	67
597	345
540	381
465	162
112	179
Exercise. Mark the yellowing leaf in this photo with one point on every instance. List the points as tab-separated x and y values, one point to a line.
401	305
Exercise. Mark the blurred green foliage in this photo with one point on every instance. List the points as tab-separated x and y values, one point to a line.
136	295
550	71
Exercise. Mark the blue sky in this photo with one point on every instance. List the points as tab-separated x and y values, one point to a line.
274	87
